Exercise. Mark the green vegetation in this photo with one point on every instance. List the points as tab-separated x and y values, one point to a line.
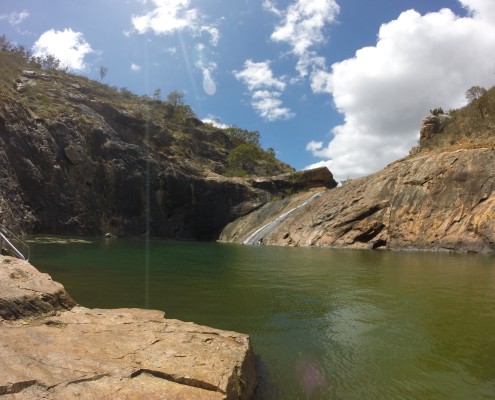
51	95
249	159
472	126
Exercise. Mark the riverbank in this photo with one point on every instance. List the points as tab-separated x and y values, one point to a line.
56	349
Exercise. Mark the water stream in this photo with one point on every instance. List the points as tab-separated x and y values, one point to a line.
257	236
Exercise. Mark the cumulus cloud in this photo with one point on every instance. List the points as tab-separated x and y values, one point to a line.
419	62
135	67
265	90
68	46
302	27
171	16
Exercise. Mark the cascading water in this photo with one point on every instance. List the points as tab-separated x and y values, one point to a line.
257	236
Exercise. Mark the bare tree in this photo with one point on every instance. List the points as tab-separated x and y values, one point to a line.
156	94
475	94
103	72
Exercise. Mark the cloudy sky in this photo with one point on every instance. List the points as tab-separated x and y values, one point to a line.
342	83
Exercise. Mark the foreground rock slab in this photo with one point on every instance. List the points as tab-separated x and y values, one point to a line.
116	354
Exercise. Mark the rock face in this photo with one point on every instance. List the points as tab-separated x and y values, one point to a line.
79	163
25	292
64	351
109	176
307	179
433	123
433	201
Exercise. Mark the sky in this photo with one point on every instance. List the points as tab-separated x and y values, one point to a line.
336	83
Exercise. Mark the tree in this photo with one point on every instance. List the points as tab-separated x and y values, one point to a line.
244	158
175	98
103	72
243	135
156	94
47	62
475	95
176	108
5	45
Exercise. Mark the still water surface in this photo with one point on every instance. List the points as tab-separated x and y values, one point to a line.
325	323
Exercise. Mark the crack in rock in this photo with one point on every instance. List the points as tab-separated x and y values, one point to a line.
183	380
88	379
17	387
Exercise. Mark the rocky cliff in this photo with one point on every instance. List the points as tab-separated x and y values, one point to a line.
52	348
439	201
80	158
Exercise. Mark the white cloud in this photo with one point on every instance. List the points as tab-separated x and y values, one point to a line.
171	16
135	67
68	46
481	9
269	106
302	27
257	75
419	62
215	121
265	90
214	33
15	18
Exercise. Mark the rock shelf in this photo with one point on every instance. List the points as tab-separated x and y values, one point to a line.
52	348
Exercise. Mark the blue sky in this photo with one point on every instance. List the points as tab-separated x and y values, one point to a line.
342	83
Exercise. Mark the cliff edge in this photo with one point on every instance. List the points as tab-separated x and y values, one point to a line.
52	348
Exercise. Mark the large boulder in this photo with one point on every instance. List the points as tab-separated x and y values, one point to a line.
434	123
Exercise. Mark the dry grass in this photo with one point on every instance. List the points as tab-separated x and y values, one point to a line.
472	126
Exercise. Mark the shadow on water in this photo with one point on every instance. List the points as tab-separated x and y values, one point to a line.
325	323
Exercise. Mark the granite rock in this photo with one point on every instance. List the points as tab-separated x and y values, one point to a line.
72	352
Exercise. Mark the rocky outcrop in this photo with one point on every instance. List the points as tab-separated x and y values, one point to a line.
297	181
433	123
25	292
53	349
432	201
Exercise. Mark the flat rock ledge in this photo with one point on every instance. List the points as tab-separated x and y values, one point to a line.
51	348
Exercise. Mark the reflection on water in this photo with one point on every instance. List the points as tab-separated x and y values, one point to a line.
325	323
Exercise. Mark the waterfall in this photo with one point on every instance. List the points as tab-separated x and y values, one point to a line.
259	234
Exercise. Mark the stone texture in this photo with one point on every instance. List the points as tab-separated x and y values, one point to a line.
86	353
433	201
25	292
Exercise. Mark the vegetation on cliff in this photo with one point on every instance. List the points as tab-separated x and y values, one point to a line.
469	127
49	93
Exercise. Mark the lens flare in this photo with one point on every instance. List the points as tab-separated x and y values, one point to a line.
209	85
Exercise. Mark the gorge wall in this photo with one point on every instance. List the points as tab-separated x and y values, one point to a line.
74	161
438	201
